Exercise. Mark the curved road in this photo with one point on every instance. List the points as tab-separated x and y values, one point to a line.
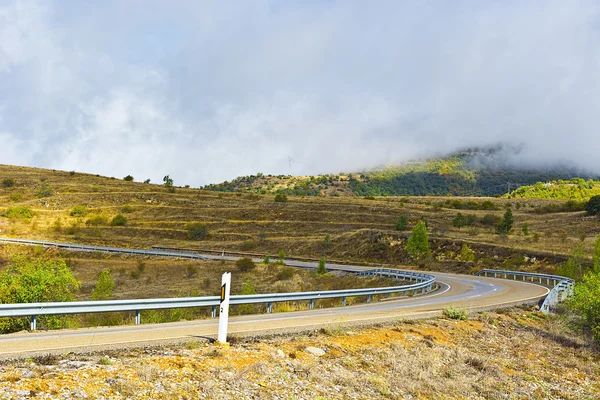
462	291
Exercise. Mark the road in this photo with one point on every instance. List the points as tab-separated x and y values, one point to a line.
462	291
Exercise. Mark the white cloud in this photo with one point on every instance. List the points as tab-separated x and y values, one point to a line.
208	91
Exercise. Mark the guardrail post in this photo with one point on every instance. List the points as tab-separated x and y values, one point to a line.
213	312
343	301
33	322
389	295
312	304
138	317
269	307
368	298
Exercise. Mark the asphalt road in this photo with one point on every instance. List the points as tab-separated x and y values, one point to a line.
462	291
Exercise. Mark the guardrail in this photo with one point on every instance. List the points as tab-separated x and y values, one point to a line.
562	287
80	247
423	283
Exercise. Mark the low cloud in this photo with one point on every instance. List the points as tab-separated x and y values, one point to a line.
208	91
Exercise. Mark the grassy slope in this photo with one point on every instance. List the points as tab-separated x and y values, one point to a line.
461	174
361	230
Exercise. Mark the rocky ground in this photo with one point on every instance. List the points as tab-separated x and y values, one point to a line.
516	354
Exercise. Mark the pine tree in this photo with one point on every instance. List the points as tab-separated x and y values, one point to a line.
418	243
104	286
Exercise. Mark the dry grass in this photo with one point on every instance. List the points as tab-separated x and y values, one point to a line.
514	354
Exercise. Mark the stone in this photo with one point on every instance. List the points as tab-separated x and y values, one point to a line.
315	351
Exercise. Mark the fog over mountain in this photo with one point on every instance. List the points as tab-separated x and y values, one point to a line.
206	91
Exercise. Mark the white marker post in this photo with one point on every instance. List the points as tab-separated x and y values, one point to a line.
224	310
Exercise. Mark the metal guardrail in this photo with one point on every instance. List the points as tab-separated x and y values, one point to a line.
80	247
562	287
423	283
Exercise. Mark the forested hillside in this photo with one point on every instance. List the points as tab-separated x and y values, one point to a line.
468	173
573	189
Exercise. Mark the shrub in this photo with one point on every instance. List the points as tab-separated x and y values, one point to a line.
573	267
119	220
585	303
285	273
104	286
281	254
417	245
466	253
16	196
267	260
464	220
8	183
327	241
247	289
455	313
593	206
78	211
489	219
18	213
281	198
402	223
525	229
44	192
197	231
147	181
596	255
127	209
191	271
321	269
245	264
128	178
32	281
96	220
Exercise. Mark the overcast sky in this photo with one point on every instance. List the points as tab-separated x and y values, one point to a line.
207	91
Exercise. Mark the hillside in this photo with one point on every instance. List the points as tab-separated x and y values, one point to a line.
78	207
573	189
467	173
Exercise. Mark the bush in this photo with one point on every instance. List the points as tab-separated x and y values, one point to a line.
127	209
267	260
525	229
18	213
8	183
285	273
245	264
104	286
35	281
119	220
321	269
466	253
44	192
16	197
417	245
402	223
281	198
191	271
455	313
128	178
593	206
585	303
596	255
464	220
78	211
281	254
96	220
247	289
197	231
489	219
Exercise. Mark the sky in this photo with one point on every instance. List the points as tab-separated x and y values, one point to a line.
205	91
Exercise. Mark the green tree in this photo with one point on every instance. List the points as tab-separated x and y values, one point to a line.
593	206
168	183
247	289
585	303
281	254
525	229
327	241
321	269
402	223
459	221
104	286
573	267
417	245
504	226
128	178
466	253
36	281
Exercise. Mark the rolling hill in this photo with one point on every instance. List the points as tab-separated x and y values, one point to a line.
478	172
